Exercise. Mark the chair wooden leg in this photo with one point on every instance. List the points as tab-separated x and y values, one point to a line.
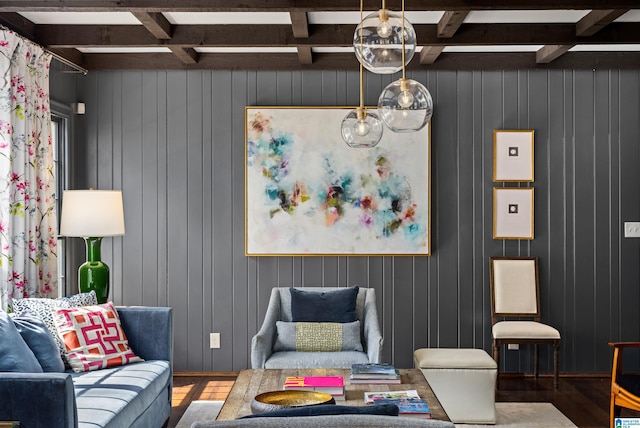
556	368
536	357
496	357
614	412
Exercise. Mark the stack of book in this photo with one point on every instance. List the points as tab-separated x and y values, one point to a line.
333	385
374	373
409	402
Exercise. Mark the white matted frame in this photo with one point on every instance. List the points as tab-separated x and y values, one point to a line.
513	155
513	213
308	193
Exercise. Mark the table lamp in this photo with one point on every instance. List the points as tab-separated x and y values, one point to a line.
92	215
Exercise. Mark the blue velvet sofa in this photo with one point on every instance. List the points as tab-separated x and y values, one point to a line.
136	395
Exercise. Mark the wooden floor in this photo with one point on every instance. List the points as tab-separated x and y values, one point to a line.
584	400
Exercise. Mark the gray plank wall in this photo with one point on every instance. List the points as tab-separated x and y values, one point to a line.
174	142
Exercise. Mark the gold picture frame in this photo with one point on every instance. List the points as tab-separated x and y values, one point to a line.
513	213
513	155
307	193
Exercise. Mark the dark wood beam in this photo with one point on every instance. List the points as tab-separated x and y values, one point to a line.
447	27
72	55
450	22
327	35
155	23
429	54
19	24
596	20
549	53
590	24
305	56
446	61
187	56
301	5
299	24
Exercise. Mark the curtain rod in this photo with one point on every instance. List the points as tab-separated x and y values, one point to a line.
54	55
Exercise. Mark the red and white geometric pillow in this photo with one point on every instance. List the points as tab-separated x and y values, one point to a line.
93	337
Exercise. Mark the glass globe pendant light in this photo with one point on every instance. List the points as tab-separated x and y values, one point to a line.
383	41
361	129
405	105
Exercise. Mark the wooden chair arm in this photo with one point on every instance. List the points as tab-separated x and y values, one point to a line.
624	344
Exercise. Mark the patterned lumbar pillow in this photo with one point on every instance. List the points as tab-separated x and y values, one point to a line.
317	336
93	337
43	308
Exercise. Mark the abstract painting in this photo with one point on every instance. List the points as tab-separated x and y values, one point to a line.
308	193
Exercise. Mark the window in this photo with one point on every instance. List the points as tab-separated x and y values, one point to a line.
59	138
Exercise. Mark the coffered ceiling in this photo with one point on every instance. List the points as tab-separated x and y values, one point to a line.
318	34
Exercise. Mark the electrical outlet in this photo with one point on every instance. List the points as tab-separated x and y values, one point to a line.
632	229
513	347
214	340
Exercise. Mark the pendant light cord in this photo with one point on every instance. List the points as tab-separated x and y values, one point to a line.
402	36
361	57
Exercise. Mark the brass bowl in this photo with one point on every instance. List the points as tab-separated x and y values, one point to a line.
276	400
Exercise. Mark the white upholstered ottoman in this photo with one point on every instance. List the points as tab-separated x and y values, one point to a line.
464	380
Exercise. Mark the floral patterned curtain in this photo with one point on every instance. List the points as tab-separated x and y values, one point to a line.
28	225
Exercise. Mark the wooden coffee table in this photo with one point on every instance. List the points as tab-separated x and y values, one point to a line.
253	382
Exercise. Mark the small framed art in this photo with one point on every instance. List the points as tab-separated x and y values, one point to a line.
513	155
513	213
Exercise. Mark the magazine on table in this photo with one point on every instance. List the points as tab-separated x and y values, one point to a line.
370	397
373	370
408	407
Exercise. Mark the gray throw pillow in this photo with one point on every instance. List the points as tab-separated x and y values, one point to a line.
317	337
15	355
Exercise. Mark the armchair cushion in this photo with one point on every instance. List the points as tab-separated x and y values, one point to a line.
317	337
37	337
15	355
324	306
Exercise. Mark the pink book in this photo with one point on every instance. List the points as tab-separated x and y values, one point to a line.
333	385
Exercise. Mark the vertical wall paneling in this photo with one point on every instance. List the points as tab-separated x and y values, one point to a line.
585	192
629	174
148	193
194	214
223	254
174	142
465	150
131	177
241	96
206	232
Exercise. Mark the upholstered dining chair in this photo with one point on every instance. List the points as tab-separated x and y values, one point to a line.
625	387
515	309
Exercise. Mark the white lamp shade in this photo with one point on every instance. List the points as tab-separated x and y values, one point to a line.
92	213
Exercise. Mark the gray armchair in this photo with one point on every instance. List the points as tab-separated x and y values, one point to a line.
279	309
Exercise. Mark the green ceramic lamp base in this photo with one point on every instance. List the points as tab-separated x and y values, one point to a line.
94	274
